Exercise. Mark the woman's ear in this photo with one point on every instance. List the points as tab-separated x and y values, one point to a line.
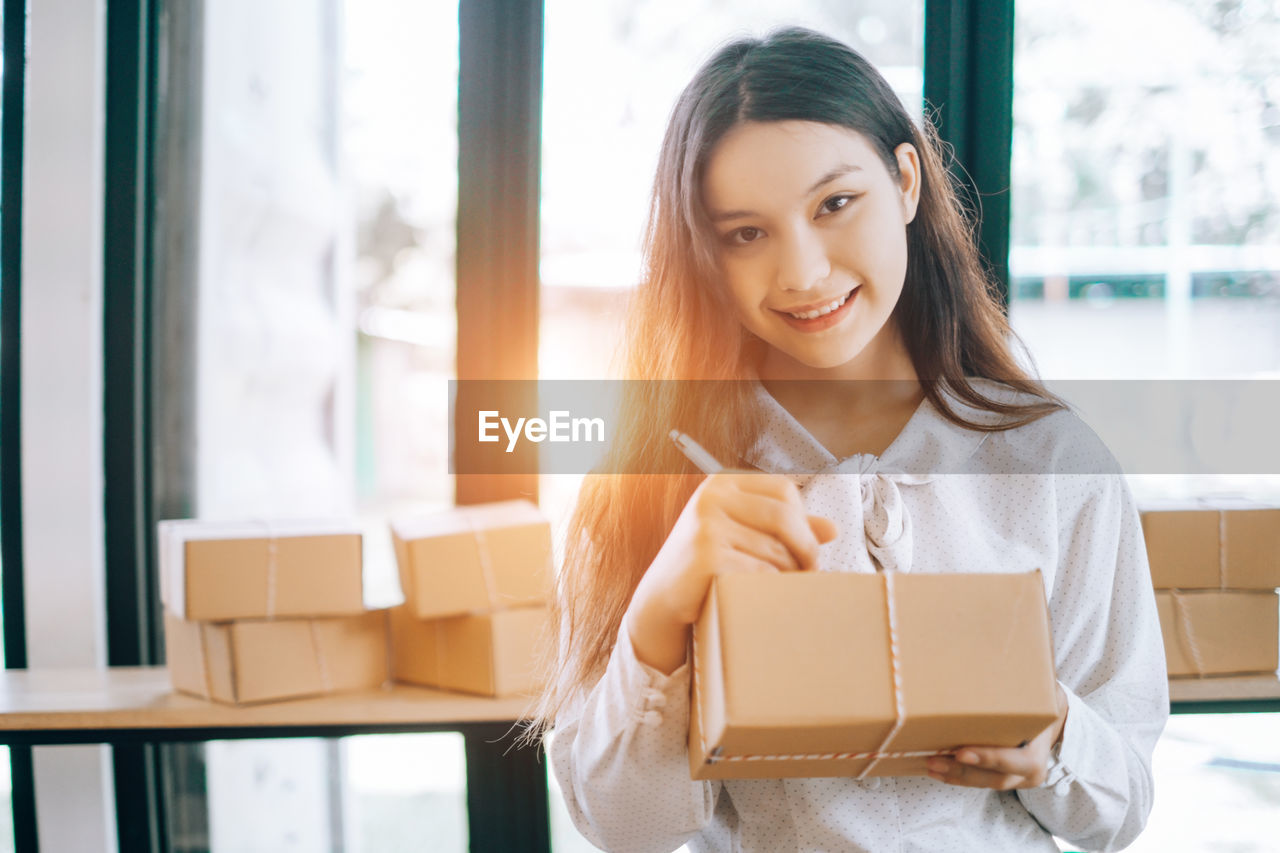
909	170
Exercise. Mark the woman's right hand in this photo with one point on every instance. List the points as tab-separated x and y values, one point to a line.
735	521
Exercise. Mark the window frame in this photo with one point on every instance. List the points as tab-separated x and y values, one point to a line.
12	589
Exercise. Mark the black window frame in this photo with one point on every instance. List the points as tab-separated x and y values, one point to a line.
12	589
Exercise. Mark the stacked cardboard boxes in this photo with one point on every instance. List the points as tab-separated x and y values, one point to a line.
1216	568
258	611
475	582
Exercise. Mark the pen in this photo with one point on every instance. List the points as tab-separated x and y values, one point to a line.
696	453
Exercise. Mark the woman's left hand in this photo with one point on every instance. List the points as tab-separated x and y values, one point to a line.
1002	768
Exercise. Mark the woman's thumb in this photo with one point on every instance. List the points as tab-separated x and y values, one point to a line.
823	528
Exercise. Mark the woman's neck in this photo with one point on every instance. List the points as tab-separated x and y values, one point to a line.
882	377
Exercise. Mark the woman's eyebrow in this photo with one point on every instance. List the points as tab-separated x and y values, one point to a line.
836	172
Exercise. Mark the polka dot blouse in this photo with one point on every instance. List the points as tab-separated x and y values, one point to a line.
941	498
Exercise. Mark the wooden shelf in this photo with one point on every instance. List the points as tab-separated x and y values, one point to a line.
120	700
1228	688
128	703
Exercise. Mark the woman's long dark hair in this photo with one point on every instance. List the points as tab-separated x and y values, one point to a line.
682	325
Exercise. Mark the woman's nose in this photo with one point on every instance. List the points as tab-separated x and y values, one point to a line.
803	260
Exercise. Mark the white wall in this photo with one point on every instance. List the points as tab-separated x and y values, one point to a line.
62	396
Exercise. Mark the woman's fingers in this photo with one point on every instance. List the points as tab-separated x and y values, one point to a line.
741	561
1000	768
772	504
762	516
823	528
763	547
776	520
976	777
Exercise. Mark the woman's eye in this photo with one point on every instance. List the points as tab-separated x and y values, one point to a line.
836	202
741	236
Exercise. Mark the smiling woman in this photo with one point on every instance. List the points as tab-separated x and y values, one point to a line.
804	228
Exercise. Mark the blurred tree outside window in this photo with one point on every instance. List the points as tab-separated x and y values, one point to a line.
400	142
1146	173
399	101
1146	180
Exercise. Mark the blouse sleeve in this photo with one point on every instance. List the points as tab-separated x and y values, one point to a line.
1110	662
621	758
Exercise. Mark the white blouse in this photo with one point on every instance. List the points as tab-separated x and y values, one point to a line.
941	498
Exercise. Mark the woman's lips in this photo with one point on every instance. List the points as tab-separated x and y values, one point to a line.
826	321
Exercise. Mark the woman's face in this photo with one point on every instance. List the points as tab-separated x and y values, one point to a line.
811	231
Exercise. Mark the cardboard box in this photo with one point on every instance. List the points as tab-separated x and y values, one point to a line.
261	660
492	654
1209	632
474	559
218	571
1234	545
792	673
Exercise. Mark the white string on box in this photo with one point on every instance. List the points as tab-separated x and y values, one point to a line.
838	756
439	629
272	565
205	676
273	554
1185	634
231	663
1222	549
321	663
486	560
899	703
388	649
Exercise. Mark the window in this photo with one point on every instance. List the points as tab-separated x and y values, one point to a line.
1217	784
1145	226
1145	185
324	290
1144	235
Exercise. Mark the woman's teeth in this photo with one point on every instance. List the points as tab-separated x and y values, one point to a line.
825	309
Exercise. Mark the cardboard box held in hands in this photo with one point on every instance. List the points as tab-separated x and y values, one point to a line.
794	673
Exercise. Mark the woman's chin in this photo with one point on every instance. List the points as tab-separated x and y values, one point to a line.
811	365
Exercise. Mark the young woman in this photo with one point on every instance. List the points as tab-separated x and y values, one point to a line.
803	230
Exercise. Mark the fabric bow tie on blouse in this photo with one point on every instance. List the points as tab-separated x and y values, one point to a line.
862	492
859	493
